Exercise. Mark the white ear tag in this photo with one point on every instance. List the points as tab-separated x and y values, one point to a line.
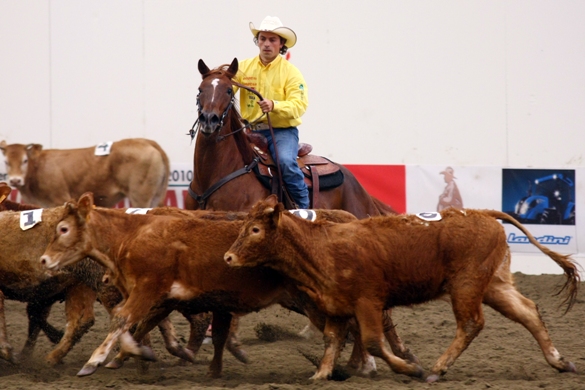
30	218
134	210
429	216
309	215
103	149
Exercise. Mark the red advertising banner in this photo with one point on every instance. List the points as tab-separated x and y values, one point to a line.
385	182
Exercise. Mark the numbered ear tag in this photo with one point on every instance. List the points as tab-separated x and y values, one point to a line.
429	216
30	218
103	149
309	215
134	210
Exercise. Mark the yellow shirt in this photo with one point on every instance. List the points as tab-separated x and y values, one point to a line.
279	81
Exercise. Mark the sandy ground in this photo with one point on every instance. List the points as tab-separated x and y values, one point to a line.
504	356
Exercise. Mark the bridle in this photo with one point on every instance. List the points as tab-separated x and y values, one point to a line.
202	199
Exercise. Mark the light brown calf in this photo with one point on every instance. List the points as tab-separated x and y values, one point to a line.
360	268
136	168
162	263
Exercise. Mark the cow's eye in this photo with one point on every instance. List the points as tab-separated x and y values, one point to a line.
255	230
63	230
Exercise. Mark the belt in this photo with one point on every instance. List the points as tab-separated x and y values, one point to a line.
260	126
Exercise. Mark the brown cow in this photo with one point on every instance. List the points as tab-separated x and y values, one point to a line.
136	168
360	268
21	278
161	263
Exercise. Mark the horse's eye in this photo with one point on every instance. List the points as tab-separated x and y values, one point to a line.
230	91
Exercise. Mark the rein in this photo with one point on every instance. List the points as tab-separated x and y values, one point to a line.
202	199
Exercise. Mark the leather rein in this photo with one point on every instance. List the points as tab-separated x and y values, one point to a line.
202	199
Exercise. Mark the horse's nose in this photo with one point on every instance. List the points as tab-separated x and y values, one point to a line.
209	120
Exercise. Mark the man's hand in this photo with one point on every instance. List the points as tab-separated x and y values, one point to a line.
266	105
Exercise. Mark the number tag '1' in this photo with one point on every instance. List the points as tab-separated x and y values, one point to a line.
30	218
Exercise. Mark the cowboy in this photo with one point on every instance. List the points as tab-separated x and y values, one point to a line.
284	91
450	196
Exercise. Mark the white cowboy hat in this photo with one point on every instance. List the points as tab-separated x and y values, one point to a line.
274	25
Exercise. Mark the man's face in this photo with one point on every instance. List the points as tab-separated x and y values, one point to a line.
269	45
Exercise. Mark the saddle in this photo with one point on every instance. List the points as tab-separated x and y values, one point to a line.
320	174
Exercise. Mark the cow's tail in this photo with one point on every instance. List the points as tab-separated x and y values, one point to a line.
568	265
159	198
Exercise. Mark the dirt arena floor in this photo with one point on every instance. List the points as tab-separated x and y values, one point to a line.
504	356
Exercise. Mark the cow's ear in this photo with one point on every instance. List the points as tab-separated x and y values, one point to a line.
85	204
32	150
271	200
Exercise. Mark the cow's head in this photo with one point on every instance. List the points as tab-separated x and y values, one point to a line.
257	240
17	158
70	243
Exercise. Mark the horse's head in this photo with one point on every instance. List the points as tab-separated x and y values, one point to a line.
216	95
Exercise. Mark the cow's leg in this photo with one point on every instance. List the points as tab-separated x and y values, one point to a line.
80	316
360	361
233	344
395	342
220	323
6	351
334	335
466	300
124	317
198	324
38	313
156	317
369	317
503	297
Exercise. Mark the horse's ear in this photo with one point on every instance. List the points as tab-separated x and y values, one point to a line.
233	69
203	69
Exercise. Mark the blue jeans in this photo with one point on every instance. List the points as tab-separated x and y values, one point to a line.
287	142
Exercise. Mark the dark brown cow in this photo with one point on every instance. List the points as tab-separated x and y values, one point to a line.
360	268
135	168
161	263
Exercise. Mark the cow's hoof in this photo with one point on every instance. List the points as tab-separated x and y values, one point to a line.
146	353
569	367
185	354
115	363
88	369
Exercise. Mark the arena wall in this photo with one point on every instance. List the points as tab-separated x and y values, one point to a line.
475	85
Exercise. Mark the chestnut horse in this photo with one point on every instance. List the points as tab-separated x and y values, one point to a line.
223	165
224	177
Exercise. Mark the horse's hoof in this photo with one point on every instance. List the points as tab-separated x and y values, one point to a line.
432	378
115	363
88	369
